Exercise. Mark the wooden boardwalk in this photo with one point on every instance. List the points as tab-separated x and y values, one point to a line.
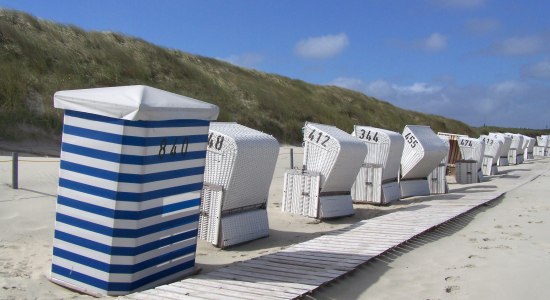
300	269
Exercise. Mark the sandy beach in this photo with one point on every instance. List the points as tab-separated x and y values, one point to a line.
499	251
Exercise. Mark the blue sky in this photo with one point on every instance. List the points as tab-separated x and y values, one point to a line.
478	61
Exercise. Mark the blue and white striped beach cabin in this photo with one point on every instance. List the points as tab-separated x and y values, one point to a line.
131	172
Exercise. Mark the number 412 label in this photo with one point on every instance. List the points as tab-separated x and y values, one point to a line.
318	137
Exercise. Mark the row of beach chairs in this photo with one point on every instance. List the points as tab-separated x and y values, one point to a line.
144	172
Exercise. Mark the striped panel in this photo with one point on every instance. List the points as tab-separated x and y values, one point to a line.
128	201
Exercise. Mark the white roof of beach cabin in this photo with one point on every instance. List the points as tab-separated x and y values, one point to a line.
423	151
385	148
242	161
335	154
135	102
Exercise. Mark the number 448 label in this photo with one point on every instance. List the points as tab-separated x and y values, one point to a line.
215	142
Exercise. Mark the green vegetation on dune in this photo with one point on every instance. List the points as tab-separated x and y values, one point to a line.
38	58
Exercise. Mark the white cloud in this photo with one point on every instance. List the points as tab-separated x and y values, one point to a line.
322	47
519	45
417	88
348	83
249	60
460	3
508	103
482	26
435	42
508	88
380	88
539	70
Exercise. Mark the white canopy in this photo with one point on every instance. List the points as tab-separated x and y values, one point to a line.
136	102
422	153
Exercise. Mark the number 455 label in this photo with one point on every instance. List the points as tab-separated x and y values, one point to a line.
411	139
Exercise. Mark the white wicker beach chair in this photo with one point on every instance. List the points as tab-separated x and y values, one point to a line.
422	153
541	147
239	167
515	154
334	157
504	149
378	178
472	151
528	155
491	154
437	180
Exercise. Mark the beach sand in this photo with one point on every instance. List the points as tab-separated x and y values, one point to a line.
500	251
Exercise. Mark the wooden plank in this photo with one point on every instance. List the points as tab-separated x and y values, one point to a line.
243	280
371	237
265	277
160	294
184	292
281	275
329	253
223	292
334	273
305	257
388	239
317	255
145	295
365	251
293	271
309	263
335	245
367	232
348	246
382	228
252	288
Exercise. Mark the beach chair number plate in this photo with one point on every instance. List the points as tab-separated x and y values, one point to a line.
466	143
488	141
411	139
319	138
215	142
366	135
175	146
